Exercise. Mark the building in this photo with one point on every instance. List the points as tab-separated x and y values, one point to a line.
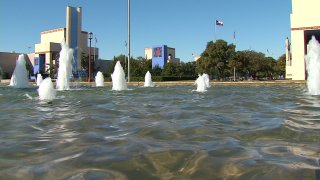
47	51
161	55
305	23
196	58
148	53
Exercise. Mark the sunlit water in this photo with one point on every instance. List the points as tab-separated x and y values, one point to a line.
228	132
19	77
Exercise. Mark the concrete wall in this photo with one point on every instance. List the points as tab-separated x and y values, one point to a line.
54	35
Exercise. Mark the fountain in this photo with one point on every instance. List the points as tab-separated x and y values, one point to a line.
99	79
19	77
147	80
46	90
248	129
39	79
65	68
206	80
313	66
202	83
118	78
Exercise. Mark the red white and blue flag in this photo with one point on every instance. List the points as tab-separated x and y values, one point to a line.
219	23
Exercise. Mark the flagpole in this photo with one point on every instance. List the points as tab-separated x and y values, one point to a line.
215	30
125	56
234	73
128	40
234	38
235	45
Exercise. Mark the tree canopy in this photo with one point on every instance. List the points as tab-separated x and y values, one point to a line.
218	60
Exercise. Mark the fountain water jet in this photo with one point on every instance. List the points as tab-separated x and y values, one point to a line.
147	80
65	68
313	66
39	79
202	83
19	77
46	90
118	78
99	79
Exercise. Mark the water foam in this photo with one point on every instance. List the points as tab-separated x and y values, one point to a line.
99	79
148	80
313	66
46	90
118	78
203	83
19	77
65	68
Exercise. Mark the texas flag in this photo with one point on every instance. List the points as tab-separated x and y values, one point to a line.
219	23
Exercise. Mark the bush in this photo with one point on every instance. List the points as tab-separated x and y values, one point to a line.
158	78
5	75
173	78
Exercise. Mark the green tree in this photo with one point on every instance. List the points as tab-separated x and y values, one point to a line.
171	69
156	71
188	69
280	66
85	64
241	62
214	60
140	66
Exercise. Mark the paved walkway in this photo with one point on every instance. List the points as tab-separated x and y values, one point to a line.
191	83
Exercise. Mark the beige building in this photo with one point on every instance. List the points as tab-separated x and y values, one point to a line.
49	48
148	53
305	23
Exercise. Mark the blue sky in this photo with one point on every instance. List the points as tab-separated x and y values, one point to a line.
187	25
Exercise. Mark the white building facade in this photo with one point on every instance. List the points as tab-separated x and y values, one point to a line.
305	23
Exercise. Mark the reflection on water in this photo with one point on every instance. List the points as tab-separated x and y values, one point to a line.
228	132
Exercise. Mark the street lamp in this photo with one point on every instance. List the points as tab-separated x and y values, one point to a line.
128	40
89	68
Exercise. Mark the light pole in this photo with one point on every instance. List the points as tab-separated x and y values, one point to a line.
128	40
125	57
89	60
94	50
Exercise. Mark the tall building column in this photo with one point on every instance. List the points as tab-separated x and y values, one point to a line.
73	33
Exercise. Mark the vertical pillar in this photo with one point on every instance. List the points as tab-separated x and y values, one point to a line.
128	40
68	26
79	30
73	33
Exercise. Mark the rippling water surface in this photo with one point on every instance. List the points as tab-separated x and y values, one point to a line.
228	132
